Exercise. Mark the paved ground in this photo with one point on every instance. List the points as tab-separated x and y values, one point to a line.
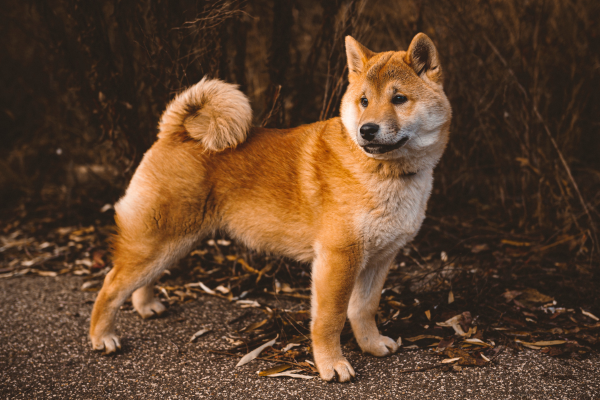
44	354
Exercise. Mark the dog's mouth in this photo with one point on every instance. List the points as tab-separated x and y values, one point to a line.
384	148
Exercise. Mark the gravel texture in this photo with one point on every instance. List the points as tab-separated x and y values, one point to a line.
45	354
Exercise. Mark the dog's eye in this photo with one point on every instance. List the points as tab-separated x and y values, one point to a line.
399	99
364	102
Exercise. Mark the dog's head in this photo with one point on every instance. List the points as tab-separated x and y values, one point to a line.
395	107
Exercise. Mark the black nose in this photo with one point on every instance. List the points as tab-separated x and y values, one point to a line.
368	131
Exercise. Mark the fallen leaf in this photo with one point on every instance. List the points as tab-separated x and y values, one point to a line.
443	256
254	326
421	337
514	243
478	248
248	303
291	374
455	323
85	261
247	267
466	358
256	352
396	304
47	273
478	342
589	314
289	346
444	343
451	360
201	332
533	296
511	294
450	297
274	370
90	284
428	314
543	343
222	289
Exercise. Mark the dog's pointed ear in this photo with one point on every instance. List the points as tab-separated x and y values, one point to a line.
423	57
357	54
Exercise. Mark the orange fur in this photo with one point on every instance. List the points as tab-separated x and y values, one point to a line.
315	193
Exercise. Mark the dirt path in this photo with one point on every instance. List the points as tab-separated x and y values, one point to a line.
44	353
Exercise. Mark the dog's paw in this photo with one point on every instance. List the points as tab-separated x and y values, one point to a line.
110	343
380	347
329	368
150	309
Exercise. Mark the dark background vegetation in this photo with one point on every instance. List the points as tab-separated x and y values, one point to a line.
84	84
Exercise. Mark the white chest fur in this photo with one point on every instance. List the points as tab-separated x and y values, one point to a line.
398	214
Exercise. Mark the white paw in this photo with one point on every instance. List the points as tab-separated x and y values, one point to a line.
380	347
328	369
110	343
150	309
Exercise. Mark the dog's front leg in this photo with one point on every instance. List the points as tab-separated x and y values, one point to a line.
364	304
334	273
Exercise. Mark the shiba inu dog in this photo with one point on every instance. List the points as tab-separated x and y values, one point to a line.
344	194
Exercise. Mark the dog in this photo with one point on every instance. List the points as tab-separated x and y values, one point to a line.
344	194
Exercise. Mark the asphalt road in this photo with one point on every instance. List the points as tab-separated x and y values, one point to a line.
45	354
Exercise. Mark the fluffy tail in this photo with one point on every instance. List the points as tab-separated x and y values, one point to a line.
212	112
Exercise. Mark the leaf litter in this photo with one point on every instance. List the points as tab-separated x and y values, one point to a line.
465	303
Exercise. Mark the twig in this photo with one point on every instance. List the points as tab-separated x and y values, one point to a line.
549	134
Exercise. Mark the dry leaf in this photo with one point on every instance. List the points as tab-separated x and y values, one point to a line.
291	374
248	303
274	370
589	314
201	332
222	289
201	286
450	297
254	326
428	315
451	360
454	323
478	248
465	358
289	346
247	267
421	337
443	256
256	352
47	273
542	343
513	243
477	342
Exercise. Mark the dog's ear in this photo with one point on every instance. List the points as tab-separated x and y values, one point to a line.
357	54
423	57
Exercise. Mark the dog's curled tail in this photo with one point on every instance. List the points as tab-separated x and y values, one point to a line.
213	112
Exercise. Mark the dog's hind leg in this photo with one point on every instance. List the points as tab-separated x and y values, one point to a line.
145	303
136	268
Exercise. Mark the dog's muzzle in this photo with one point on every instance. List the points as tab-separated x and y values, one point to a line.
373	148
